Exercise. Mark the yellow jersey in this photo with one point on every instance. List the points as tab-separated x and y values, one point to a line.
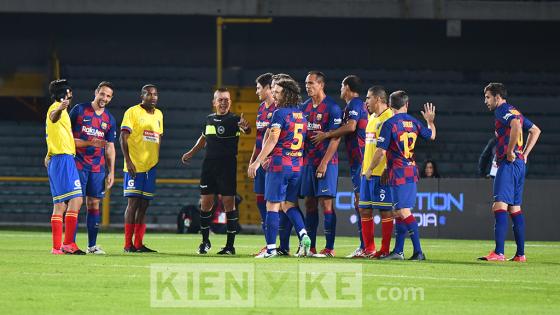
145	134
373	129
59	135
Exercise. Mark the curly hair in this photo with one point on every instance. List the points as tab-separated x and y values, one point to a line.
290	93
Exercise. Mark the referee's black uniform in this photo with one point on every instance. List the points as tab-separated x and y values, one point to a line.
219	168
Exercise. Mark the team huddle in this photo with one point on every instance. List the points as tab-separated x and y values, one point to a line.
295	156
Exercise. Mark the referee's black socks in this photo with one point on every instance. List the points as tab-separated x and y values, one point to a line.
205	219
232	227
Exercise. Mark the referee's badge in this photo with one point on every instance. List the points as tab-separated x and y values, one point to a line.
318	117
221	130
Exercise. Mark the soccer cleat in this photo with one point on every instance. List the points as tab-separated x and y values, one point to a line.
55	251
72	249
378	255
368	255
327	252
393	256
95	250
357	253
227	251
493	257
260	251
203	248
130	249
145	249
266	254
417	256
282	252
305	245
518	258
313	251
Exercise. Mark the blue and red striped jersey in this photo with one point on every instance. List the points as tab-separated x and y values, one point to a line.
504	114
355	142
398	137
264	115
287	155
324	117
86	125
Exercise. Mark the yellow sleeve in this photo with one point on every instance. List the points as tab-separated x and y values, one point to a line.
128	121
160	131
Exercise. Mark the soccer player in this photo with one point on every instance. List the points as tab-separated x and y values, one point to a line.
354	131
511	158
374	194
286	142
141	131
264	114
64	180
320	171
397	141
220	136
94	130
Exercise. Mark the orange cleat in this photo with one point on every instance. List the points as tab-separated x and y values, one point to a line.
493	257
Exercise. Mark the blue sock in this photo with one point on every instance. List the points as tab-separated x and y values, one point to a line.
92	226
330	228
261	205
271	229
400	235
295	216
285	230
500	230
311	224
362	246
76	231
518	220
412	228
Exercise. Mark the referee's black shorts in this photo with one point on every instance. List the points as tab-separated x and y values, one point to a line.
219	176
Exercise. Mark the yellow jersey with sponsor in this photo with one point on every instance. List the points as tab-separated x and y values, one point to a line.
145	135
59	134
373	130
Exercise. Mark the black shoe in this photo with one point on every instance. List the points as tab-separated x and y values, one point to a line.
393	256
145	249
130	249
282	252
204	247
417	256
227	251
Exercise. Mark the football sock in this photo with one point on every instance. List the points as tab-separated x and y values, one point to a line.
139	231
500	230
311	224
362	245
412	227
231	226
92	226
386	232
56	226
330	228
76	230
284	230
518	220
400	235
205	218
128	232
271	230
297	220
367	234
261	205
70	226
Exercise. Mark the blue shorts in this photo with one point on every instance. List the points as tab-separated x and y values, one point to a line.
404	196
311	186
282	186
142	186
93	184
356	176
375	196
509	181
259	181
63	178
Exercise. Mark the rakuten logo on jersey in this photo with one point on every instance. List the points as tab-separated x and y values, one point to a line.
313	126
90	131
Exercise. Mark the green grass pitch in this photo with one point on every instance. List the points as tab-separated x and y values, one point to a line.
34	282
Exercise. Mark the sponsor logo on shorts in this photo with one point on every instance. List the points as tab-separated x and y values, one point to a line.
77	184
130	183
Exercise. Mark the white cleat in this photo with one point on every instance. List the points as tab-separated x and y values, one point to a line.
96	250
358	253
318	255
265	254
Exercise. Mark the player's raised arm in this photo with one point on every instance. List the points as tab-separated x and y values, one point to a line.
429	114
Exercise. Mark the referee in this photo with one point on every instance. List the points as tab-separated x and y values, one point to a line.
220	136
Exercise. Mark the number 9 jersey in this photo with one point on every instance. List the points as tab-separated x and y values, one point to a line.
398	137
